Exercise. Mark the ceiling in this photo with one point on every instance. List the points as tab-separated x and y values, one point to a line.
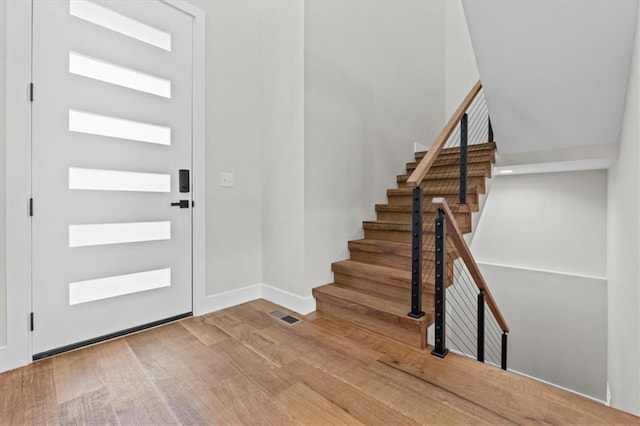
555	72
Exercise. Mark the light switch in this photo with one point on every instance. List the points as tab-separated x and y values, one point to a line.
226	179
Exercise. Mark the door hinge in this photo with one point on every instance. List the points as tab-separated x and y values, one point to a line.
30	206
31	92
31	321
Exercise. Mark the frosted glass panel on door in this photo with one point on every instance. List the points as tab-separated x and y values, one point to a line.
117	233
114	180
102	125
104	288
115	74
114	21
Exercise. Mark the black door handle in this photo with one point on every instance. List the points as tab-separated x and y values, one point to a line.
183	204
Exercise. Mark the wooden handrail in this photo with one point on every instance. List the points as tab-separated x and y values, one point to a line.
421	170
472	266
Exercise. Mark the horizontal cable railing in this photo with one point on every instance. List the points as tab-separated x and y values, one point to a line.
470	326
454	169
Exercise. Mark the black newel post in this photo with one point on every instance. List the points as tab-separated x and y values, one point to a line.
416	254
503	362
440	348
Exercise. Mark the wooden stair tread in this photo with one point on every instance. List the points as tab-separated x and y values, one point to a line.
387	225
472	164
451	185
393	226
403	208
366	269
372	276
455	174
391	247
472	158
488	146
430	191
386	307
489	154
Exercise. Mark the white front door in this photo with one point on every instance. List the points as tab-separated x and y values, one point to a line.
112	128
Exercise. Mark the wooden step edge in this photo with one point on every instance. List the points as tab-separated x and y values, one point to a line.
396	192
474	147
471	174
394	312
472	163
348	266
382	275
370	319
489	154
455	172
382	225
385	225
405	208
472	158
395	248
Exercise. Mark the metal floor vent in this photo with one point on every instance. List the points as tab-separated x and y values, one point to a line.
288	319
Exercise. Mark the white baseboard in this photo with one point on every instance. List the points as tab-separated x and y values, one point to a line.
230	298
560	387
10	359
299	304
216	302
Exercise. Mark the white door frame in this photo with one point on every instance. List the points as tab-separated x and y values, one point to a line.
17	136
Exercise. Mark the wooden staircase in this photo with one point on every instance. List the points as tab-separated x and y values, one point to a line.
372	289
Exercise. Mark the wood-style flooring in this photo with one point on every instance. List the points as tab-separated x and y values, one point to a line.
242	366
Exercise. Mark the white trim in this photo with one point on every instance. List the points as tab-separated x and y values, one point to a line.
18	350
554	167
418	147
198	162
230	298
545	271
299	304
559	387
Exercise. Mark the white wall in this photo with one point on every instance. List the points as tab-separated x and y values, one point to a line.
283	148
558	325
551	221
623	252
541	244
461	71
234	136
374	84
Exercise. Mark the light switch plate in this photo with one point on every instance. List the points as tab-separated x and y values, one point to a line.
226	179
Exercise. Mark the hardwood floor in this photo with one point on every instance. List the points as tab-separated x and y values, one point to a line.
242	366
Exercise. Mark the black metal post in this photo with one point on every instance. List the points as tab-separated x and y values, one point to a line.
463	159
416	254
440	349
503	363
490	130
480	344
